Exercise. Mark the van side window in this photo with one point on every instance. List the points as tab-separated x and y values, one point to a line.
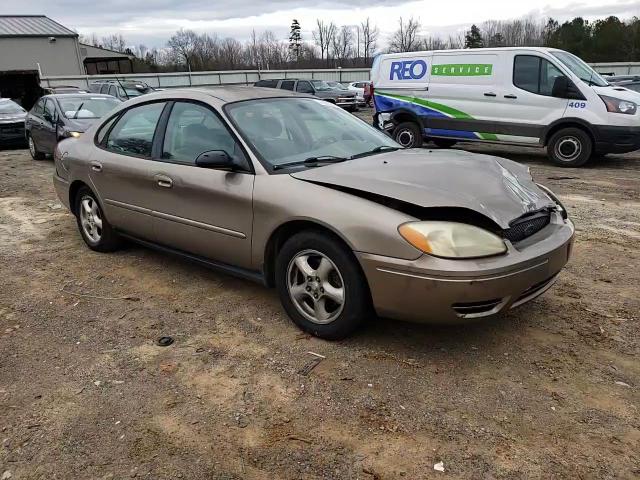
287	84
534	74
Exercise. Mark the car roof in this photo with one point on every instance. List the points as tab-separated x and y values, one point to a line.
78	94
235	93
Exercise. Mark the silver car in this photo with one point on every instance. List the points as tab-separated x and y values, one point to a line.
295	193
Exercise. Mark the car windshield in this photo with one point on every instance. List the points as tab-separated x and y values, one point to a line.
321	85
287	130
337	86
87	107
9	107
583	71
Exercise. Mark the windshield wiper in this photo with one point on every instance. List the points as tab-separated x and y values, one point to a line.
381	148
312	161
78	111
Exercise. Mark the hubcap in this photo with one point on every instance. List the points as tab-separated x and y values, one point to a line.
405	138
315	286
568	148
90	219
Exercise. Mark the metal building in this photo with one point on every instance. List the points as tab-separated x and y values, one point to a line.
31	46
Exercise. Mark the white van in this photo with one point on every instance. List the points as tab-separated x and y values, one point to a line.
521	96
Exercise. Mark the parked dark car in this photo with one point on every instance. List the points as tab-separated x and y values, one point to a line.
63	89
55	117
319	88
122	90
12	118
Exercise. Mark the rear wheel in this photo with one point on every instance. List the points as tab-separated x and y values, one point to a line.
444	142
408	135
96	231
321	286
33	149
570	147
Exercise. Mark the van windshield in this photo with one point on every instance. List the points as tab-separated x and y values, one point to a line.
583	71
321	85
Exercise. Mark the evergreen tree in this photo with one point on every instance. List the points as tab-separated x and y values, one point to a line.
473	38
295	41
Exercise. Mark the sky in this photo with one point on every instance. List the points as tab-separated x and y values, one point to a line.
152	22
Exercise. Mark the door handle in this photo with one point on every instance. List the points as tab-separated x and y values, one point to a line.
489	94
510	96
96	166
164	181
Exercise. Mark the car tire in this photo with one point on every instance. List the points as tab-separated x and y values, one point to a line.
95	229
570	147
313	263
408	135
444	142
33	149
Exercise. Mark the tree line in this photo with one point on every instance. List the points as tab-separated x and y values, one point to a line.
331	45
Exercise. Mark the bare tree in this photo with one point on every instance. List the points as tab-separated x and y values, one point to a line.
183	46
323	36
114	42
369	39
405	38
342	44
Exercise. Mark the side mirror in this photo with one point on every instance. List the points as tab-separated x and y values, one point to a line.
215	159
565	88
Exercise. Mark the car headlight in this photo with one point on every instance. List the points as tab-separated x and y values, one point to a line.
617	105
452	239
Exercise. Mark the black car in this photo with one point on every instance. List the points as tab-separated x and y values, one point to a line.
12	118
55	117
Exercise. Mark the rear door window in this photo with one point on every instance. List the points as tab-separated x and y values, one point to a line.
304	87
287	85
134	131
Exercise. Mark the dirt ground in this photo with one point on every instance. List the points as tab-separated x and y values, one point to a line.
550	391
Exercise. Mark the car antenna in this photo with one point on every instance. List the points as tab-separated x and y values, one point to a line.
122	87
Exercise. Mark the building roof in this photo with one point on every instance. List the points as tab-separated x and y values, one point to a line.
32	26
90	51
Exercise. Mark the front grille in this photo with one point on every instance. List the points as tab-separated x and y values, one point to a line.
527	226
485	306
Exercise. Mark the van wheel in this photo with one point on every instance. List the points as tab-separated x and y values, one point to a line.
444	142
408	135
321	286
33	150
570	147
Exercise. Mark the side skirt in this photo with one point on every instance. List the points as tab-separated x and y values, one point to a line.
254	276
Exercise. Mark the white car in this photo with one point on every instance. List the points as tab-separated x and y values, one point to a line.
359	88
540	97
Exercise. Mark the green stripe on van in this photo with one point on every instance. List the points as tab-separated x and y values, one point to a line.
452	112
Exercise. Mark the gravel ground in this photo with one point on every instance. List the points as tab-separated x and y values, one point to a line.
551	390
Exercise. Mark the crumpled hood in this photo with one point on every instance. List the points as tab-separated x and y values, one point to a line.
495	187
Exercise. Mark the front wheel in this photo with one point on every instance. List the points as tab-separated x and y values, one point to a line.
321	286
570	147
408	135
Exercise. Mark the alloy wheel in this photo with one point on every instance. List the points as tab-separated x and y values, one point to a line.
568	148
315	286
90	218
